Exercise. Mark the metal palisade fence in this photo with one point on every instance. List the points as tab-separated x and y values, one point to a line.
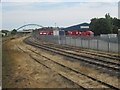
109	44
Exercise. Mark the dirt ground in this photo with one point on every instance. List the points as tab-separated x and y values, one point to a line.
21	71
0	62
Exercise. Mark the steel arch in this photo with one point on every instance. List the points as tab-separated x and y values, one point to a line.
29	25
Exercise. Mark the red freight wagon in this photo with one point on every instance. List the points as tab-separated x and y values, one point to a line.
83	34
43	33
89	33
78	33
46	33
50	33
75	33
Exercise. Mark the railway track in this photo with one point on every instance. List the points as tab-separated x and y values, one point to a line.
95	55
59	52
110	66
90	56
114	63
47	66
92	52
86	51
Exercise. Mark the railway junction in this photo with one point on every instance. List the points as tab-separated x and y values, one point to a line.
35	60
32	63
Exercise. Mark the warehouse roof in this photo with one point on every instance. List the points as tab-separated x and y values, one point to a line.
79	27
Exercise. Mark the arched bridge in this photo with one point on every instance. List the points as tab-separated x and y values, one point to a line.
29	25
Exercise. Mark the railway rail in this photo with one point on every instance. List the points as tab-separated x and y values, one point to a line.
110	66
47	66
71	56
112	61
86	51
96	55
90	52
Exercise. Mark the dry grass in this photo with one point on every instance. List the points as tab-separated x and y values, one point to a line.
20	71
113	80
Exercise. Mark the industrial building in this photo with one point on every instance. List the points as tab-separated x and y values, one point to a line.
79	27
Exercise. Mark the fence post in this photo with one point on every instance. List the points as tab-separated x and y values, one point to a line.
97	43
89	43
61	40
70	40
65	40
118	42
75	40
108	43
58	39
81	41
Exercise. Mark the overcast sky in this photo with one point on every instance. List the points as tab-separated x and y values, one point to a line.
59	0
16	13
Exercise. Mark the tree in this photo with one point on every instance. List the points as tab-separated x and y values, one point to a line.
105	25
109	22
5	31
94	26
99	26
116	25
14	31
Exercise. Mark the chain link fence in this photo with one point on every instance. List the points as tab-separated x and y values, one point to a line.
109	44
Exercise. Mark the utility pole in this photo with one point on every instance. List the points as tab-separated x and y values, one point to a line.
55	25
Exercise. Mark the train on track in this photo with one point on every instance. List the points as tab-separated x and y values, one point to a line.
68	33
75	30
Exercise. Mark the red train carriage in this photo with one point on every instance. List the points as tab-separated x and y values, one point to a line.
70	33
73	33
78	33
46	32
89	33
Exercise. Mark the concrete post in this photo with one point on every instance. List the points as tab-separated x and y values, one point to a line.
119	42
